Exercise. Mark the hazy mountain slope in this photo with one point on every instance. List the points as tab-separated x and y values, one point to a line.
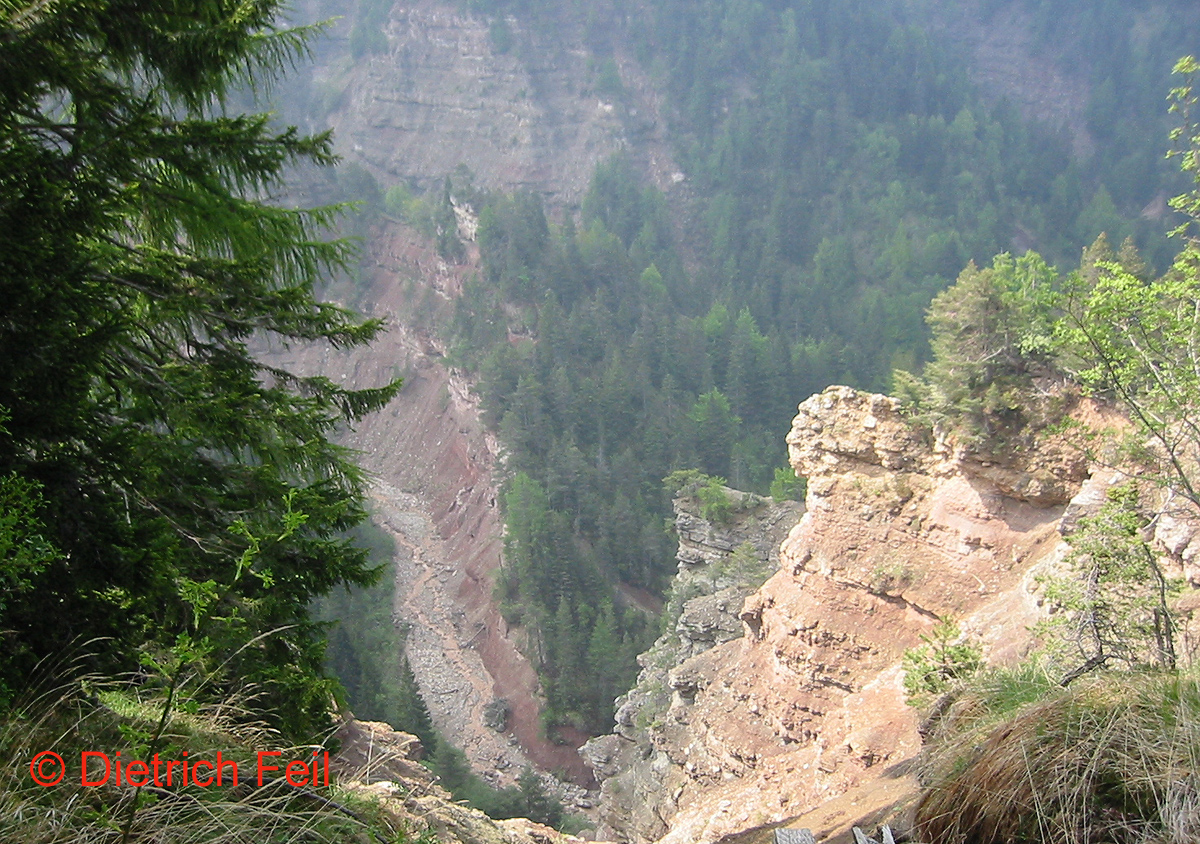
437	93
538	109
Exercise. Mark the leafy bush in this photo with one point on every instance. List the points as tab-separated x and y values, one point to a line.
1113	599
715	505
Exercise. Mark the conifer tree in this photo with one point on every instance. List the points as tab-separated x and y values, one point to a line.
140	255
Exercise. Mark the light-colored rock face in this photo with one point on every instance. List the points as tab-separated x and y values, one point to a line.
719	564
898	532
442	95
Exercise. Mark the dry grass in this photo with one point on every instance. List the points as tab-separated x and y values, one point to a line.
103	716
1113	758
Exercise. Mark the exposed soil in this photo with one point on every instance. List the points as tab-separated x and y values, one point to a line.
431	463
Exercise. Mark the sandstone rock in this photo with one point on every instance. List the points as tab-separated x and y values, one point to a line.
709	620
654	751
1087	503
381	764
843	426
900	528
371	751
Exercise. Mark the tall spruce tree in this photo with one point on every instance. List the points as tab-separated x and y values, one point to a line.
140	253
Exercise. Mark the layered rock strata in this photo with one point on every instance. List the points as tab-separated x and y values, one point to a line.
524	111
720	562
901	528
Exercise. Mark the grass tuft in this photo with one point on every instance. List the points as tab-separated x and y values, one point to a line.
93	713
1112	758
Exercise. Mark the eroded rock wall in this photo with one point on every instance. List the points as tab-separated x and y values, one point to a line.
528	116
719	564
900	529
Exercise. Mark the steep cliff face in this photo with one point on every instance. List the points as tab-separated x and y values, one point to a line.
1006	64
442	93
527	113
809	703
720	562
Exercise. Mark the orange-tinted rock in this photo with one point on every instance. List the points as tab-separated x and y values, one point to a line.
901	528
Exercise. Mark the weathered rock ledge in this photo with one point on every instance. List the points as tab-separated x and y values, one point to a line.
900	529
720	563
382	764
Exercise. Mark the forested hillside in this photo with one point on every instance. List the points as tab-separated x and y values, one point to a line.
174	505
842	168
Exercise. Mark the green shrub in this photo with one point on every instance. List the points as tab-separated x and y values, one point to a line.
788	487
943	660
715	505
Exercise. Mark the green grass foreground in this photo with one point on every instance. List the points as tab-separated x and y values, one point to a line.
110	718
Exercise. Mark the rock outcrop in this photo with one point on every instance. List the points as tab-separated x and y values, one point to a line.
901	528
719	564
382	764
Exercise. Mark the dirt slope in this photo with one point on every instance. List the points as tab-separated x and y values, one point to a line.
434	491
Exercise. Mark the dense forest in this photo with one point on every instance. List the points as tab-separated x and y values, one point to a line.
174	508
843	170
170	505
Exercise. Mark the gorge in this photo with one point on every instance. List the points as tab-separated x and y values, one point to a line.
441	391
807	704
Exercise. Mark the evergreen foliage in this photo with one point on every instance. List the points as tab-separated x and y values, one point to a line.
944	661
992	338
786	486
366	646
1118	332
140	254
537	805
528	799
1133	337
835	202
585	645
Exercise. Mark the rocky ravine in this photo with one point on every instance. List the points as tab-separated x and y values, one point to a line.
809	703
433	490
